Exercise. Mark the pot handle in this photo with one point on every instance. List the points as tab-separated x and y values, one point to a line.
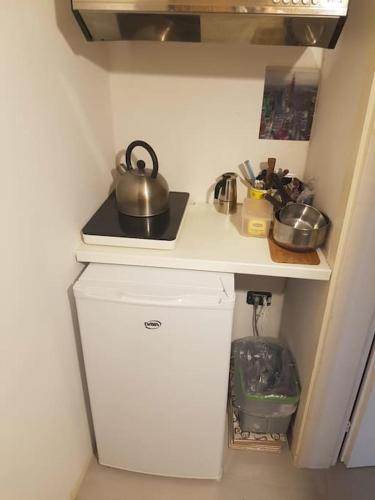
148	148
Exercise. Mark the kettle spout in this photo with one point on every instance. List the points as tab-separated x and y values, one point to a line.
122	168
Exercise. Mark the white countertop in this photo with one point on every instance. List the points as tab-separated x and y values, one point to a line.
208	241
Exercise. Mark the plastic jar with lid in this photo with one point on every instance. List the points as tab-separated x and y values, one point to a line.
257	214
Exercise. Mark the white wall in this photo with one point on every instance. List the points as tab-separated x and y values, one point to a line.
199	105
56	152
346	78
329	339
269	323
348	323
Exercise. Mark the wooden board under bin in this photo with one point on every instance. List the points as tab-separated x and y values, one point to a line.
238	440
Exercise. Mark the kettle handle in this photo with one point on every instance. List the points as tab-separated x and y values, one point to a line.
220	185
148	148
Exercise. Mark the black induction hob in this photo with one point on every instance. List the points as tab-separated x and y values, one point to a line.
109	227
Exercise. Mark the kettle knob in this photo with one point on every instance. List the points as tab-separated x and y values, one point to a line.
141	164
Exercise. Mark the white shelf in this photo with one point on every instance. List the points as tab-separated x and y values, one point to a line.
208	241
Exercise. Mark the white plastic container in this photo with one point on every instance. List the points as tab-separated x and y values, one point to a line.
257	214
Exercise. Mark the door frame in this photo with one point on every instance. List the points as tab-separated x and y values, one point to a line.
361	405
346	331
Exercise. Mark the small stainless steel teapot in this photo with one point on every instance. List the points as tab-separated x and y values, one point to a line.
225	193
141	192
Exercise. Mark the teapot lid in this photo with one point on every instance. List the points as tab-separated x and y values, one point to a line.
140	170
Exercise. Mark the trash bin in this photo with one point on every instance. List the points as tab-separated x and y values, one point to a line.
265	386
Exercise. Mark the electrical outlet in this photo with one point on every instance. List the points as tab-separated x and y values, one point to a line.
258	298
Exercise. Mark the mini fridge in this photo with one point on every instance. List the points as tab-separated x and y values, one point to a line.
156	345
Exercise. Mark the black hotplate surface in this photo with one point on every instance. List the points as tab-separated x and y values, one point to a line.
108	221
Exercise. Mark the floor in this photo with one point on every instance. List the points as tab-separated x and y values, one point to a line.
248	475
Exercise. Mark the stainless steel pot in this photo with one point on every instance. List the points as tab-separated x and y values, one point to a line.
300	227
141	192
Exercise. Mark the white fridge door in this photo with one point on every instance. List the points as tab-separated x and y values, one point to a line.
157	376
359	447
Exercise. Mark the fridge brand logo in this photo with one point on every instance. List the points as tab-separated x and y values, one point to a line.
153	324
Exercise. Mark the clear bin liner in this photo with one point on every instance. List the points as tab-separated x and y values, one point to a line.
265	377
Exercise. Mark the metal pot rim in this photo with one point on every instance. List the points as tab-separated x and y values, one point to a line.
328	222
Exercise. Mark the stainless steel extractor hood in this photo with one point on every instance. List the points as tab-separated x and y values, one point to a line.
316	23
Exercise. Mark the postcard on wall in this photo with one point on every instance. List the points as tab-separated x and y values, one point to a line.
288	104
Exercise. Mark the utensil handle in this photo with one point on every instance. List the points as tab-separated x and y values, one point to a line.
151	152
249	170
270	171
276	204
276	181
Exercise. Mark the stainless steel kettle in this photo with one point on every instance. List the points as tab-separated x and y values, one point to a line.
226	193
141	191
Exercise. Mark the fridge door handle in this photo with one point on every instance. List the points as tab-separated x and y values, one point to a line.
114	295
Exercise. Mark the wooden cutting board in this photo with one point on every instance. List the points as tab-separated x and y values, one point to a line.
284	256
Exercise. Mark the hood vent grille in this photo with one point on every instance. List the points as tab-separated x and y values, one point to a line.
316	23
